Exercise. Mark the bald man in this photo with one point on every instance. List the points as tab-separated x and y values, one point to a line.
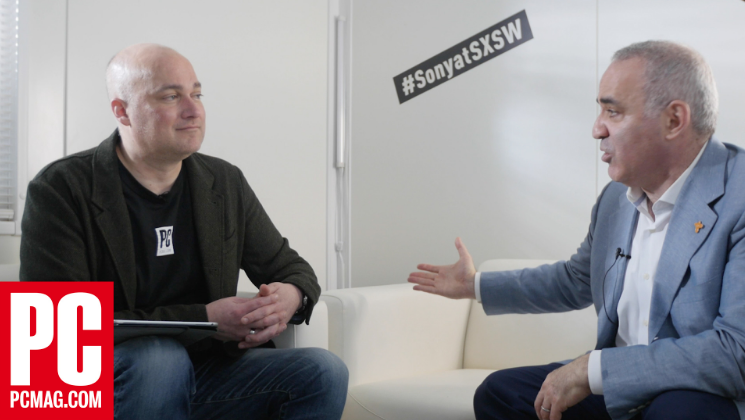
171	228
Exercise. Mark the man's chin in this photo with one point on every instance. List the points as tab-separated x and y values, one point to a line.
185	151
614	174
191	144
621	180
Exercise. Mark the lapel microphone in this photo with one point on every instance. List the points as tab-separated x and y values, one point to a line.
619	253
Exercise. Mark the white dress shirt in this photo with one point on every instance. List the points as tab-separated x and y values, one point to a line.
636	297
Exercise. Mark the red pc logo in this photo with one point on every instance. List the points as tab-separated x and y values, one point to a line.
56	350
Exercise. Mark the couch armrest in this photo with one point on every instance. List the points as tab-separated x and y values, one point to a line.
315	334
388	332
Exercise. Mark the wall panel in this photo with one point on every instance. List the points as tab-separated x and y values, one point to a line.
501	155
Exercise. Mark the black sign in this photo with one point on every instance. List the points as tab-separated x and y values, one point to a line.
478	49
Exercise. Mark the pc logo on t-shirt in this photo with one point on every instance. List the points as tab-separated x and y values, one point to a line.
165	241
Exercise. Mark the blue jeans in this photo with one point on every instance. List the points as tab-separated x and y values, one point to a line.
154	378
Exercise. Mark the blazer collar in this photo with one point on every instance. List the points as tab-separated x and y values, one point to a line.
208	207
625	216
112	216
704	186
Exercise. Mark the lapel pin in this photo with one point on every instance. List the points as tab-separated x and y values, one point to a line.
698	226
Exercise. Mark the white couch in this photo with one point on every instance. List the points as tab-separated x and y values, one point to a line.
412	355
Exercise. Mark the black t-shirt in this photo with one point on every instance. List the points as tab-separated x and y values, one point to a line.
169	267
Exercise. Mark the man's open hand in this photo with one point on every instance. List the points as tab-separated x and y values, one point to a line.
453	281
562	389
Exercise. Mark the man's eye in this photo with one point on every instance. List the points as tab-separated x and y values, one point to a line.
612	112
171	97
199	95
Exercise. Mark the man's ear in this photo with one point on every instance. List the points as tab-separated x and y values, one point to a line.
677	118
119	108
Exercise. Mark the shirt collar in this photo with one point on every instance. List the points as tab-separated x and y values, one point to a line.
636	195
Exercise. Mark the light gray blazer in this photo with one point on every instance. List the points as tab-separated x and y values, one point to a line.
697	316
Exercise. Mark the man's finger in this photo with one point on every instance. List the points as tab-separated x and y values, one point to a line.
421	280
538	404
268	289
427	277
258	314
543	403
259	338
557	409
555	413
267	321
428	289
262	336
423	274
461	247
264	290
257	302
429	267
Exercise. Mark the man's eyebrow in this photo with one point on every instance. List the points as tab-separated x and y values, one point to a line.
607	100
177	87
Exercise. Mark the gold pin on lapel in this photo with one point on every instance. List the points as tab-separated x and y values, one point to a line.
698	226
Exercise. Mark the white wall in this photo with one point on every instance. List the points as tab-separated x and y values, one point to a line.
263	67
502	155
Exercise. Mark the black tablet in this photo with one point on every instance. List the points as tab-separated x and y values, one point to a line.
184	331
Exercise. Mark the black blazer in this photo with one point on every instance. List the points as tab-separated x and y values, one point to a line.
76	228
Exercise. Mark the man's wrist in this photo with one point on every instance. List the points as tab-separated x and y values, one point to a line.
303	303
299	316
302	299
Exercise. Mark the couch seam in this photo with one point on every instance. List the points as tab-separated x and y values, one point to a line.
465	336
365	408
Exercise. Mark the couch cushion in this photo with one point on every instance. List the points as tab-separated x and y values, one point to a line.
444	395
505	341
387	332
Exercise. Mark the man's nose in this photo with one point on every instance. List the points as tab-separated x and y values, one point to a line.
599	129
192	108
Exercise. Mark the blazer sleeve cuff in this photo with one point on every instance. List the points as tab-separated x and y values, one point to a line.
595	373
477	286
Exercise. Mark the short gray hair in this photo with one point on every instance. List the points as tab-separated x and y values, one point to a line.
674	72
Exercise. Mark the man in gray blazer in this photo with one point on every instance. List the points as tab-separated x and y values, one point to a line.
663	262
